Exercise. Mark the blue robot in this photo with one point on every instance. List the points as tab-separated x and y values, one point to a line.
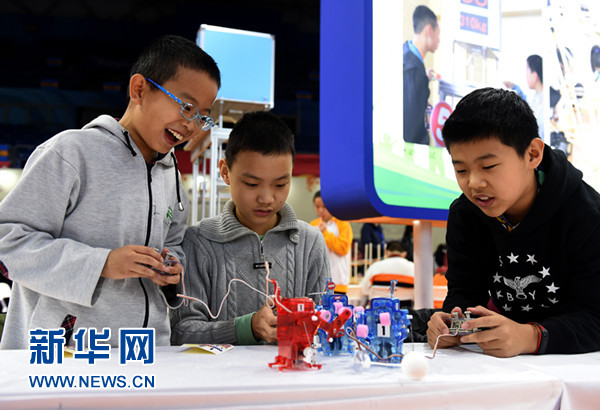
330	308
383	328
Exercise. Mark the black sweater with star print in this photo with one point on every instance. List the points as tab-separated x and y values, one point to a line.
546	270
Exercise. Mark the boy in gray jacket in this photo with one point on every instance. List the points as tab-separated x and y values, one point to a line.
77	233
256	227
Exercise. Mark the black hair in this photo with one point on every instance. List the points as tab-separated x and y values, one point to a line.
422	16
535	65
595	57
161	59
262	132
488	113
394	246
317	195
440	253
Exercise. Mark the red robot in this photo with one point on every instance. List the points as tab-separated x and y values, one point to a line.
297	325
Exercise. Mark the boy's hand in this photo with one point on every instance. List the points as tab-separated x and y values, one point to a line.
503	337
264	324
129	262
171	269
438	325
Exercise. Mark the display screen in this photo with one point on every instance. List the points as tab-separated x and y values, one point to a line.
405	174
368	165
367	169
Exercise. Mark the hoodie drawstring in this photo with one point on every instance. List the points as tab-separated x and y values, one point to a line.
179	203
128	143
133	153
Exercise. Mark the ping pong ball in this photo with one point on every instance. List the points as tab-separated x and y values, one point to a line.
414	365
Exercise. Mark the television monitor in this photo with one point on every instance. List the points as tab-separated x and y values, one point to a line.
367	169
246	60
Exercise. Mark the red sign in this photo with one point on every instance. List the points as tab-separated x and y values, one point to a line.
330	285
474	23
477	3
439	115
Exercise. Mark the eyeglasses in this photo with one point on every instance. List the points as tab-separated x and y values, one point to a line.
189	111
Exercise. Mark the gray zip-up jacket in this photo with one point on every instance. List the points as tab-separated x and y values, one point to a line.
83	193
221	248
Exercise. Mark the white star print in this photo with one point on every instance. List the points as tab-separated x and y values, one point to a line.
500	259
531	258
555	301
545	271
497	278
506	308
552	288
513	258
526	308
499	294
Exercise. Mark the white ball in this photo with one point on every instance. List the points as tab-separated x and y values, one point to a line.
414	365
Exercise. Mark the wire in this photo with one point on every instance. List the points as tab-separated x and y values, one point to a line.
276	289
437	340
275	298
352	335
306	333
224	297
380	292
186	302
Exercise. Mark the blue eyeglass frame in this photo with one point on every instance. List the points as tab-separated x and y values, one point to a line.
209	122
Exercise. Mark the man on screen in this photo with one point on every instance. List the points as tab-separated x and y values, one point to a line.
416	78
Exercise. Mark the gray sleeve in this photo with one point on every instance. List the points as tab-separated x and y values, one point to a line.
192	323
31	224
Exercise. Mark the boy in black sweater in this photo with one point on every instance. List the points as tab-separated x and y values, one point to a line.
523	239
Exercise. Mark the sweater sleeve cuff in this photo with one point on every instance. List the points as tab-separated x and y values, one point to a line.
243	330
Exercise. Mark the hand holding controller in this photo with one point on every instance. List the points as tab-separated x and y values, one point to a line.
167	262
457	322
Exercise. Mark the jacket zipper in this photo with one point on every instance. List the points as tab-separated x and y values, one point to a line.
148	230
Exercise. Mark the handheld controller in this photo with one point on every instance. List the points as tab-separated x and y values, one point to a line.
166	263
457	322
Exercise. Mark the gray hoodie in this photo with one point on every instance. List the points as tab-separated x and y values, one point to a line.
83	193
221	248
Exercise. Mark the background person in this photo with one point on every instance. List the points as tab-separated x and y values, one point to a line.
395	262
415	77
535	81
338	238
371	234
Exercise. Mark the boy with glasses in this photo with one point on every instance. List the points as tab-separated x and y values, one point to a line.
255	228
93	230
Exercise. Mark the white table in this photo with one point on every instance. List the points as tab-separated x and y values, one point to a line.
457	378
580	375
